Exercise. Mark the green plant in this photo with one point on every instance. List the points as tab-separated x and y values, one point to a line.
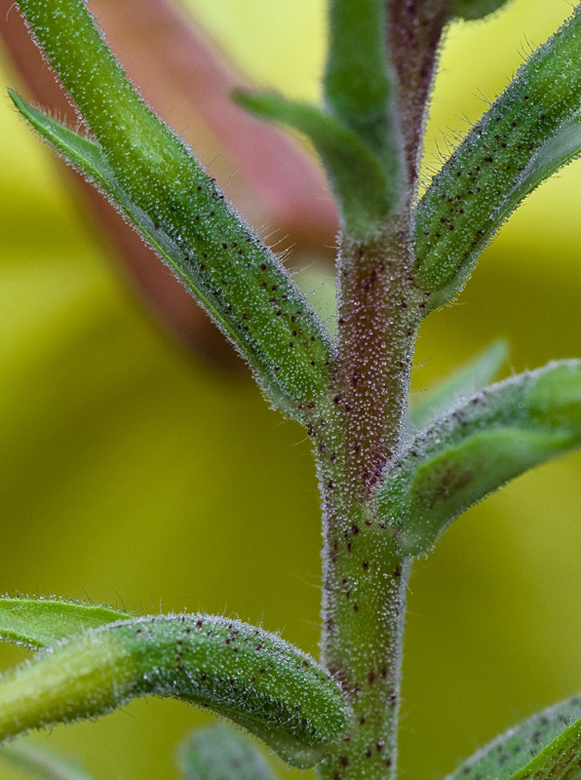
387	495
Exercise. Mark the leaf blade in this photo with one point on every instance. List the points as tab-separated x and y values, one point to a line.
527	134
359	82
558	761
221	753
241	672
38	623
477	447
510	751
476	9
42	764
357	175
465	381
239	281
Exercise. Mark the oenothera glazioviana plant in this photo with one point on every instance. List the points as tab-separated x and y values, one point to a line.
392	479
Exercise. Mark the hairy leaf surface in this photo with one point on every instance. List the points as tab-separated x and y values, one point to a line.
477	447
560	760
158	184
241	672
510	751
531	131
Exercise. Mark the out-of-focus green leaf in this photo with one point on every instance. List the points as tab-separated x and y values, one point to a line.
221	753
477	447
37	623
510	751
464	382
475	9
241	672
41	764
530	132
363	188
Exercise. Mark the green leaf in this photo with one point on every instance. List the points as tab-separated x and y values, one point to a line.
477	447
531	131
362	187
41	764
241	672
221	753
37	623
558	761
512	750
152	176
475	9
464	382
359	79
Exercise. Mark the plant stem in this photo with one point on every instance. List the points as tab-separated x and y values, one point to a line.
380	307
364	574
377	300
414	31
364	606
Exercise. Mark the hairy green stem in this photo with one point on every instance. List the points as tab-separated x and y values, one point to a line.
364	574
364	606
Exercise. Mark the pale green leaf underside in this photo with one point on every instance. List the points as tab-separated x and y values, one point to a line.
40	763
478	446
221	753
241	672
37	623
512	750
358	177
462	383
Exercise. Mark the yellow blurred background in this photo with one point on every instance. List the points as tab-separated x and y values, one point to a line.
133	474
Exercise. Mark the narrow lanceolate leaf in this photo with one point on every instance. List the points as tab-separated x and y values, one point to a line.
221	753
37	623
357	175
477	447
241	672
359	78
530	132
512	750
41	764
464	382
560	760
154	179
475	9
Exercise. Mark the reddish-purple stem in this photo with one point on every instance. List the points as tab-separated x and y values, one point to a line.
414	32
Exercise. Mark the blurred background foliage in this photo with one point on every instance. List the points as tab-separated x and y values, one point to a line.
136	474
